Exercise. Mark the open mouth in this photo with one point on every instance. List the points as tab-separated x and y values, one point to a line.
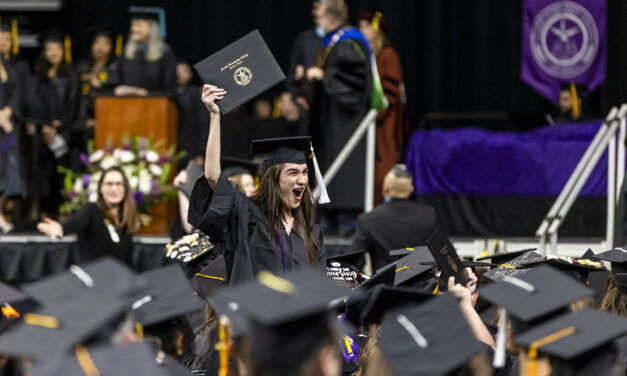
298	193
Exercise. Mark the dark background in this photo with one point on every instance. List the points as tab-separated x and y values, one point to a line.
457	55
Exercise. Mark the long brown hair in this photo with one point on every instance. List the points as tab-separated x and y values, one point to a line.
127	218
268	198
614	300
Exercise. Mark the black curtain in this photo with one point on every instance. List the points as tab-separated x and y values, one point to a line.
457	55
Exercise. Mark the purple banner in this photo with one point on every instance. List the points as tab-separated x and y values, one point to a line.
472	161
563	42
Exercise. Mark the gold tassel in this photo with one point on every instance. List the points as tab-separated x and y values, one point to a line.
278	284
573	93
376	20
68	49
533	348
85	361
9	312
119	41
139	329
41	320
223	345
275	108
15	48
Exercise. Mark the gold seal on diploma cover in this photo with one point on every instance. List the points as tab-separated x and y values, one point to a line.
243	76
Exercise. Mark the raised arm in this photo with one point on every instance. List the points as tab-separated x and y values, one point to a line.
211	94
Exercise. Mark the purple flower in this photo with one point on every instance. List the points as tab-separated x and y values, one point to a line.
86	180
71	194
137	196
84	158
126	147
142	143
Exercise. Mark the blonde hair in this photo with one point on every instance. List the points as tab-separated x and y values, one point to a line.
155	44
4	77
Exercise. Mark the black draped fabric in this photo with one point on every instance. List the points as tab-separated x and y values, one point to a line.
158	77
514	216
193	123
238	226
94	239
343	99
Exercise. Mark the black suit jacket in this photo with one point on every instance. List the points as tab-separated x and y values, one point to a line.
392	225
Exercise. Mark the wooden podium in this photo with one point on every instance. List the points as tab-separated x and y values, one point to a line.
120	118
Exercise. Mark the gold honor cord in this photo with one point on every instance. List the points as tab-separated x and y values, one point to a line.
209	276
41	320
533	348
85	361
277	283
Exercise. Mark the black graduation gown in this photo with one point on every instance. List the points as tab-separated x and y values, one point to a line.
393	225
21	72
237	225
344	100
9	172
193	123
158	77
306	47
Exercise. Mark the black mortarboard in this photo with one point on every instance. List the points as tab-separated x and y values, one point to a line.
54	329
618	261
298	150
384	275
169	295
354	258
136	359
430	339
233	166
210	278
99	31
13	304
465	263
345	268
534	295
150	13
105	277
513	266
10	295
573	339
503	258
407	250
244	68
411	267
51	35
382	299
444	253
576	268
581	89
194	172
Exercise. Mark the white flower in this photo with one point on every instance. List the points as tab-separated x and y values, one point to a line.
133	181
95	179
96	156
155	170
152	156
145	185
107	162
78	185
93	197
126	156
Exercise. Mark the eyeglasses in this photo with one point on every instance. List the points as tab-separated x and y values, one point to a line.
112	184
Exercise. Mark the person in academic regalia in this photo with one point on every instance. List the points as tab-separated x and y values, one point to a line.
52	112
391	126
9	53
342	101
94	77
148	65
275	228
571	105
104	228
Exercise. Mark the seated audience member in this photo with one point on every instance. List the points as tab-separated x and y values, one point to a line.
570	105
397	223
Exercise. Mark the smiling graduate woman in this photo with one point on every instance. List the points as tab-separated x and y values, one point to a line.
103	228
275	229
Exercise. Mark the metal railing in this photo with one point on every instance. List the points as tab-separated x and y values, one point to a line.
605	138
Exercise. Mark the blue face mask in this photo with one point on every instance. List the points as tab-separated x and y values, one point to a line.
320	32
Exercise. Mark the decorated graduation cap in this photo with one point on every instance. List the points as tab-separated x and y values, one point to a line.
152	14
136	359
298	150
576	342
578	268
105	277
56	328
511	267
618	261
345	269
13	304
430	339
504	258
169	295
210	278
383	298
535	295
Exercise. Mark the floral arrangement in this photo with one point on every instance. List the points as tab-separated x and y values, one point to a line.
147	171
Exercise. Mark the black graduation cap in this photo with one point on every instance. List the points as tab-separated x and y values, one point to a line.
430	339
581	89
150	13
244	68
233	166
446	256
54	329
385	275
169	295
13	304
345	268
105	277
352	258
11	295
412	267
573	338
536	294
194	172
299	150
210	278
383	298
407	250
99	31
136	359
576	268
503	258
51	35
512	267
618	261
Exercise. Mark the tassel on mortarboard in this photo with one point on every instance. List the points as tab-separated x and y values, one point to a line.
573	94
67	43
501	341
119	41
323	197
15	47
376	20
